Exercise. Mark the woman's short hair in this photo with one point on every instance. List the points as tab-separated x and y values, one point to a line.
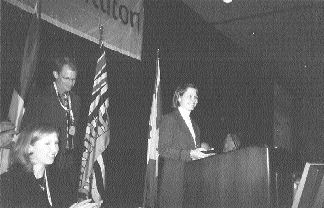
20	154
61	61
179	92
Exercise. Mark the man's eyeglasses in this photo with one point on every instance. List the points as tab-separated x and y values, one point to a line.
69	79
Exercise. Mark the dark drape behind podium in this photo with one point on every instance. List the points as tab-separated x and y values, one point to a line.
244	178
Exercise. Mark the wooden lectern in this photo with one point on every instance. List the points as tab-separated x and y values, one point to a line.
244	178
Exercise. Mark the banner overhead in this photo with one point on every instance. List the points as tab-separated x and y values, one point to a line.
122	20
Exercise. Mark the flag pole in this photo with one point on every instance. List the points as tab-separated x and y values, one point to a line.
94	150
150	195
1	69
158	63
101	36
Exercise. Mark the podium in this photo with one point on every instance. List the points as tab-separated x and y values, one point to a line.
246	178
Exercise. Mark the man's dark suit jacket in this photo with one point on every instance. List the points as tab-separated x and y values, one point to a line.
19	189
175	143
46	108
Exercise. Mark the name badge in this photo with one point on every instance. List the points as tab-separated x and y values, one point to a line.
72	130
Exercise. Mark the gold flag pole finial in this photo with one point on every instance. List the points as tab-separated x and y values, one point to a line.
100	35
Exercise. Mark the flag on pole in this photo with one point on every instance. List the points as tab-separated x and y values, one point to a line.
150	188
28	68
97	136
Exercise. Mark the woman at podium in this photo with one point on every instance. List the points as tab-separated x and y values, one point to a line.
179	142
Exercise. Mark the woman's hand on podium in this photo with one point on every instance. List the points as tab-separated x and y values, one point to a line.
198	153
86	204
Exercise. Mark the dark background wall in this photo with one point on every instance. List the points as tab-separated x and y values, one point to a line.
233	93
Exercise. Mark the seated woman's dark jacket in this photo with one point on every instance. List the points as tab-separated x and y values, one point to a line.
20	189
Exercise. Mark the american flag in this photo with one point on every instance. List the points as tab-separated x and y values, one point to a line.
97	135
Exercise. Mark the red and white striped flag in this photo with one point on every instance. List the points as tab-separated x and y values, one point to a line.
97	135
150	188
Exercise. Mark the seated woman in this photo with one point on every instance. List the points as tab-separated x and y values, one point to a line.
231	142
30	181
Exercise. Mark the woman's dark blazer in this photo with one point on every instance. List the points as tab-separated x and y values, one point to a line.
19	189
175	143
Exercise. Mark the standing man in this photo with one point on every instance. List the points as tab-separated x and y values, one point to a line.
58	106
